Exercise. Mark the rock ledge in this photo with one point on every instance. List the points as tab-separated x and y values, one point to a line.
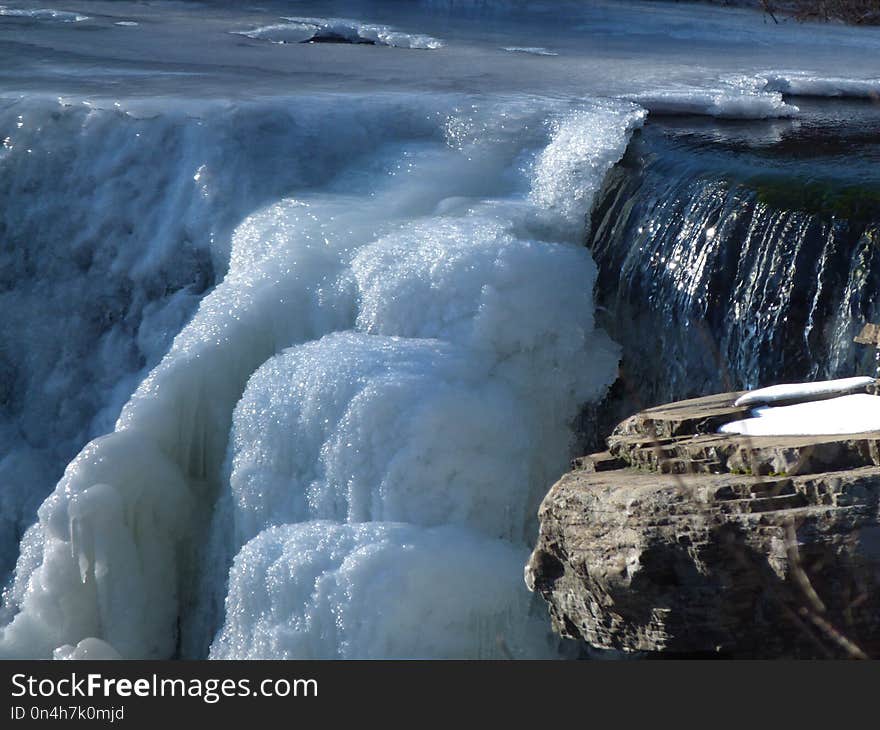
683	541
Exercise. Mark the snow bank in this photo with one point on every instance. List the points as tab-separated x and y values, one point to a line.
305	30
848	414
802	391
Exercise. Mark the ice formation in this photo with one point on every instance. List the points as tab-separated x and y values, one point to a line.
344	30
304	590
325	315
724	103
397	356
533	50
121	284
45	14
90	648
801	84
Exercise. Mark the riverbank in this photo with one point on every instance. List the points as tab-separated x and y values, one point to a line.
851	12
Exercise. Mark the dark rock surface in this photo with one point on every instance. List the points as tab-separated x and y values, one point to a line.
682	541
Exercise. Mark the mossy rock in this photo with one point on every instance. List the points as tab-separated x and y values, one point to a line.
819	197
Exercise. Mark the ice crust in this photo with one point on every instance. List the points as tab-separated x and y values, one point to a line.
304	30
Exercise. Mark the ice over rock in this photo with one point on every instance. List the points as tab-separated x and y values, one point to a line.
724	103
406	348
121	284
372	380
364	413
378	590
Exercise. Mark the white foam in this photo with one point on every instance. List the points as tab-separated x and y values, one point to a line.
802	391
303	30
857	413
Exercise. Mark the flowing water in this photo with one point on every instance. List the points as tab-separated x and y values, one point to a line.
740	256
298	315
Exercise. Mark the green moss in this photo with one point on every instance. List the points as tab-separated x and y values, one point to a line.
742	472
818	197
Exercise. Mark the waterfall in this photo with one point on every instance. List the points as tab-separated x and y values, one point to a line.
299	319
724	269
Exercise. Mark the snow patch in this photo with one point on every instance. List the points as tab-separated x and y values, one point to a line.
857	413
802	391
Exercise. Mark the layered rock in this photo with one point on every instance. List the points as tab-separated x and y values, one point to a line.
683	541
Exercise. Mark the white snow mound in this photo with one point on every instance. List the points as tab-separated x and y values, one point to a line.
802	391
858	413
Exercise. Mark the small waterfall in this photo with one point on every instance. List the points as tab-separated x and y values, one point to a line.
723	268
